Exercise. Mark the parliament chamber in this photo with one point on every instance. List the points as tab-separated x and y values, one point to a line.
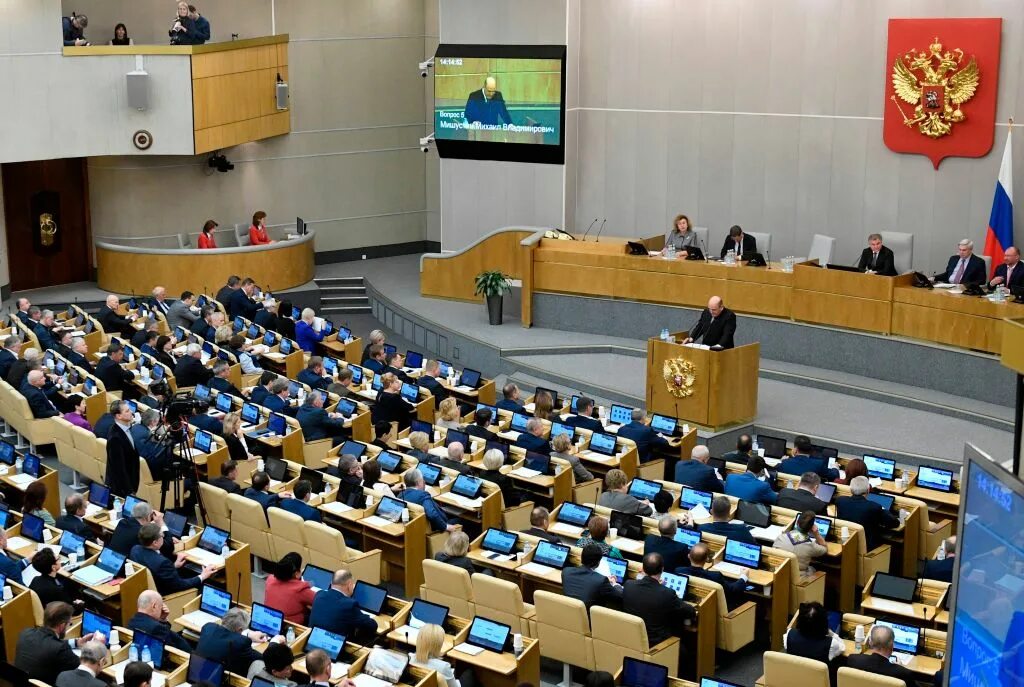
458	343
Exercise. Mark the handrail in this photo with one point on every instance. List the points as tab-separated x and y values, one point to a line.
536	236
203	251
156	49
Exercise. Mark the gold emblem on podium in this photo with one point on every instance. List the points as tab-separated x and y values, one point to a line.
943	82
679	377
47	229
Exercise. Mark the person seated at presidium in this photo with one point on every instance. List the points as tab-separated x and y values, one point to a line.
965	267
74	29
1009	274
258	231
877	259
738	242
716	326
681	236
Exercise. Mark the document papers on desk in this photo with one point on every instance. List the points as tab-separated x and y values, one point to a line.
337	507
468	649
377	521
536	568
892	606
729	568
364	680
770	533
699	512
525	473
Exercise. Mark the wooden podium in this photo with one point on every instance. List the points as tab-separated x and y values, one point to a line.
724	386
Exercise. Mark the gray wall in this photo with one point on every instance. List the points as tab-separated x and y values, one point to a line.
351	166
660	86
480	196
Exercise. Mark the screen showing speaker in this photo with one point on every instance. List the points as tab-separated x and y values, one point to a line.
500	102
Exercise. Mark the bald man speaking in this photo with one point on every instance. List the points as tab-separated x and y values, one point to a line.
716	326
486	106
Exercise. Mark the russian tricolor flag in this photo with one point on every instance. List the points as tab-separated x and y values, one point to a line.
1000	222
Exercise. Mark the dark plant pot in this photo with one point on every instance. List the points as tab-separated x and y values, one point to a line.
494	309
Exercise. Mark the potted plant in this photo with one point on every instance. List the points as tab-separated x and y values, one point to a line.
492	285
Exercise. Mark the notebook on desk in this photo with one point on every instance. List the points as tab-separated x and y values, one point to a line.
107	567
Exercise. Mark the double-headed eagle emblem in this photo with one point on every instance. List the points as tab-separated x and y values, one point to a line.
937	83
679	375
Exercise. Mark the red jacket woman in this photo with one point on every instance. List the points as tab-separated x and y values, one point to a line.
206	239
287	591
258	231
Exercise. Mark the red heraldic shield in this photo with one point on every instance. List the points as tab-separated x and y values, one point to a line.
941	79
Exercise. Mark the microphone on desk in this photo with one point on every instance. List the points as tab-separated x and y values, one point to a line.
768	255
703	247
589	228
597	239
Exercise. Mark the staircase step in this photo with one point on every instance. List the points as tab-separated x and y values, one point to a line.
342	290
344	300
338	281
347	309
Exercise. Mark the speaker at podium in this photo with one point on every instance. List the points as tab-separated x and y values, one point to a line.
711	388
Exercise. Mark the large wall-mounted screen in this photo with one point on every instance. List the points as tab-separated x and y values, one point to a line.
500	102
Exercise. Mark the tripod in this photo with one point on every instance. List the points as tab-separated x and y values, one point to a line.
182	465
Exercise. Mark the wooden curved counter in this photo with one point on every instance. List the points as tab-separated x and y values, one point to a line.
128	269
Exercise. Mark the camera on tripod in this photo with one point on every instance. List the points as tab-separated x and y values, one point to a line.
181	407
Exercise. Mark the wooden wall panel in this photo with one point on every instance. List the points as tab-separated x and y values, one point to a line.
451	276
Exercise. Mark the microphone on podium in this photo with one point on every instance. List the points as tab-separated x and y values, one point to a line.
589	228
597	238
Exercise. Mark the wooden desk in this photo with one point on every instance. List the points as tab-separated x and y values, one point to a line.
349	350
928	600
926	663
499	669
403	547
851	300
173	676
946	316
15	615
186	625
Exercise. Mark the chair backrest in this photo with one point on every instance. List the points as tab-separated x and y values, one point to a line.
326	545
851	677
652	469
988	264
287	533
587	492
618	628
216	501
500	600
249	524
823	248
448	585
764	241
562	612
902	246
783	670
517	518
702	237
563	629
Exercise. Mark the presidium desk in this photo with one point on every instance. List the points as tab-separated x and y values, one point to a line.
276	266
836	298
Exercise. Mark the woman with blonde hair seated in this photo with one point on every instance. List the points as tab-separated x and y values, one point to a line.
420	443
448	414
429	645
543	406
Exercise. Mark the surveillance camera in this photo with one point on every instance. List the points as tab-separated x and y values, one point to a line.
425	67
425	149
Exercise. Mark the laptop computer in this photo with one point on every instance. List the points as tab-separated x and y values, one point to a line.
107	567
156	648
33	528
936	479
94	622
329	642
774	447
410	392
644	488
276	468
314	477
906	638
213	604
715	682
203	441
884	500
267	620
894	587
883	468
636	248
538	461
389	462
318	578
557	428
71	543
421	426
370	597
346	407
426	613
204	670
686	536
518	423
431	473
754	514
663	425
467	486
629	525
676	583
488	634
413	360
613	566
620	415
825	492
741	553
574	514
492	445
602	443
454	435
470	378
499	542
637	673
390	509
30	465
694	497
550	554
99	498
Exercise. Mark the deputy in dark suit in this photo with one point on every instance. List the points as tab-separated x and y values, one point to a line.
260	391
965	267
335	610
267	316
41	324
478	428
278	399
313	375
510	399
877	259
298	504
126	534
1010	273
43	652
317	423
241	303
868	514
165	573
716	326
752	485
428	380
721	514
110	372
540	518
180	313
532	439
73	518
645	438
77	357
92	659
230	641
122	459
584	416
258	491
38	402
486	106
699	555
151	618
696	472
662	611
803	497
739	242
190	370
220	381
224	293
588	585
674	554
113	323
10	568
942	570
9	354
226	481
802	461
390	406
876	660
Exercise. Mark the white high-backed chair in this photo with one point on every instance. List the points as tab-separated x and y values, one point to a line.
764	242
902	246
702	238
823	249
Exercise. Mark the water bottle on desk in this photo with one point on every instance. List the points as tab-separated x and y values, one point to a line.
133	652
664	333
290	637
17	464
147	656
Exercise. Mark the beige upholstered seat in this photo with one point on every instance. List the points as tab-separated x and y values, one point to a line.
449	586
735	627
287	534
617	635
249	524
502	600
517	518
851	677
216	501
92	453
871	562
563	628
783	670
803	589
326	548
